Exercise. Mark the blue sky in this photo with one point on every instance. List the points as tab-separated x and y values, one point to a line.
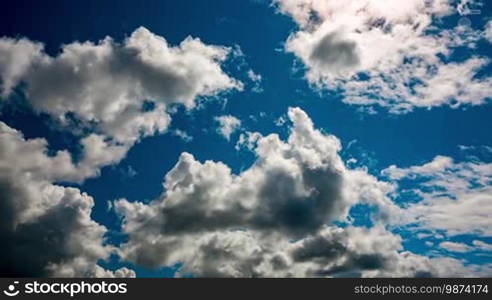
372	136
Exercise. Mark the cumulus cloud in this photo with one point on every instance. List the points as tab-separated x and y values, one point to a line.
16	58
46	229
275	218
107	84
386	53
455	197
227	125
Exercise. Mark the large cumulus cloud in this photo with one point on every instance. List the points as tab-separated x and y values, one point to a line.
274	219
107	83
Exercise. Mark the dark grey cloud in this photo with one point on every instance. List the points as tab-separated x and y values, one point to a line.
335	54
283	209
46	229
29	249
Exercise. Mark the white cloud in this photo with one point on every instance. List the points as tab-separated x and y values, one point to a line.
106	83
482	245
253	76
280	121
455	247
455	197
256	79
227	125
46	229
183	135
438	164
30	156
248	140
386	53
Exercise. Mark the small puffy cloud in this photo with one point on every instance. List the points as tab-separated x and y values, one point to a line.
385	54
253	76
227	125
182	135
280	121
256	79
454	197
438	164
455	247
46	229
